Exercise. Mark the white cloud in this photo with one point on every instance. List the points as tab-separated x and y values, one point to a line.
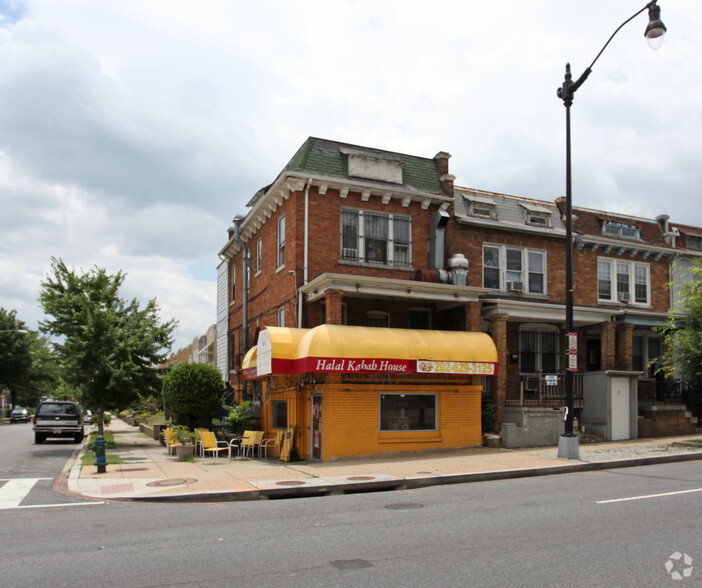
132	132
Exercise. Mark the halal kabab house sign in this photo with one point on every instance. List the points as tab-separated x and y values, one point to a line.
368	350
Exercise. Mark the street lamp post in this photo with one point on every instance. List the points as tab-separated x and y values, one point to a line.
568	442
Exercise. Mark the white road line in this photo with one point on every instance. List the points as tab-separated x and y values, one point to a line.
649	496
15	491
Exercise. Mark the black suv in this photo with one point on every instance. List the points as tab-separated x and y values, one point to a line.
56	418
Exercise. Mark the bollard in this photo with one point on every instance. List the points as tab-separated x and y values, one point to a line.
100	459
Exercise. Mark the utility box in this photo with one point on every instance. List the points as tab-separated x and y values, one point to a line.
610	404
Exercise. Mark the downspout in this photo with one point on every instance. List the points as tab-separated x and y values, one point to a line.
306	254
245	282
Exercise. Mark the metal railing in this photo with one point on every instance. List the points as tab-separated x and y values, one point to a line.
544	390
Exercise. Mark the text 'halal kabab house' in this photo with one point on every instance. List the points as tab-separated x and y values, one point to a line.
342	391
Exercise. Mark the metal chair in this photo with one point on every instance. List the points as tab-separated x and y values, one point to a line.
211	445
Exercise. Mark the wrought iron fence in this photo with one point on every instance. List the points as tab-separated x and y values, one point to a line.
544	390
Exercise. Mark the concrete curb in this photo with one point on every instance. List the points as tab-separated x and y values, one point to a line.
351	487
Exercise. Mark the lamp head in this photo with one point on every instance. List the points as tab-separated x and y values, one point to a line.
655	29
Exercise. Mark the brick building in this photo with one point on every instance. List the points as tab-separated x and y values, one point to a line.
348	235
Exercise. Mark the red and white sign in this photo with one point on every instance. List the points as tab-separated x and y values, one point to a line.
573	342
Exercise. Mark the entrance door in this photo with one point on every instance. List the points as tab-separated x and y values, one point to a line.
620	409
594	355
316	429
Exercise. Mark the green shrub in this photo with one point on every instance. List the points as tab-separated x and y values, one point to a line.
489	417
240	417
193	393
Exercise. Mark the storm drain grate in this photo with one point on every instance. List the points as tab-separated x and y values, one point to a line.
360	478
132	470
172	482
290	483
403	505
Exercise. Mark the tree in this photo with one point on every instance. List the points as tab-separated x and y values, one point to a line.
193	391
42	377
15	356
110	348
683	332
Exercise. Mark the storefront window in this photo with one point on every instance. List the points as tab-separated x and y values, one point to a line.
408	412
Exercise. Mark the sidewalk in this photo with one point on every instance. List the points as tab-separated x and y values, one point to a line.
148	474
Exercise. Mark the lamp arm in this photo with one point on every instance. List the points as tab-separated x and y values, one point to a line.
568	89
618	29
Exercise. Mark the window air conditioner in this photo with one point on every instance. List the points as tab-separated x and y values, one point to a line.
515	286
623	296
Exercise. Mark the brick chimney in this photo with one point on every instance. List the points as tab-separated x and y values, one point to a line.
446	178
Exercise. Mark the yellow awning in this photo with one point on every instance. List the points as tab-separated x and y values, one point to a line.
346	349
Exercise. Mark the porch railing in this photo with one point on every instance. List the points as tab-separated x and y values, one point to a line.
544	390
653	392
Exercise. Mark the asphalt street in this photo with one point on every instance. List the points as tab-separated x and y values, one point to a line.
613	527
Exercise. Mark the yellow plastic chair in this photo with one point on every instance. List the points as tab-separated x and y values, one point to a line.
271	442
250	442
211	445
169	435
199	442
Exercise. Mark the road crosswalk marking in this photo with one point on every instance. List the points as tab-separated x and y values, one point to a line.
14	491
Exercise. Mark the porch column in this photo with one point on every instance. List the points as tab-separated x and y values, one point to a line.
333	300
625	347
608	350
473	310
498	331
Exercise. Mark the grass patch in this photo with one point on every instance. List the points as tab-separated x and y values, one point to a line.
109	440
89	459
188	458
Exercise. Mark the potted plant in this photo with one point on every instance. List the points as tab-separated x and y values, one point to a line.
187	440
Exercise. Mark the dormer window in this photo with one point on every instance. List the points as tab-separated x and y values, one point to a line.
481	208
694	243
536	216
538	219
623	230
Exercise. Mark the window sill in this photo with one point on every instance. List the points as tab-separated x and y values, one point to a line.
386	266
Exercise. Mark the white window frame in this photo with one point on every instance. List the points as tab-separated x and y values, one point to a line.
281	241
623	291
620	230
281	316
259	255
527	268
396	251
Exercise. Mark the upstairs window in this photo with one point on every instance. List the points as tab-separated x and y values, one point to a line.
514	269
694	243
259	254
623	230
377	238
233	284
623	281
281	241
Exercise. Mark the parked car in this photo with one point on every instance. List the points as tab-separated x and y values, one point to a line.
88	416
57	418
20	415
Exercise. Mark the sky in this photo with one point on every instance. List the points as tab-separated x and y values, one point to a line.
133	131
